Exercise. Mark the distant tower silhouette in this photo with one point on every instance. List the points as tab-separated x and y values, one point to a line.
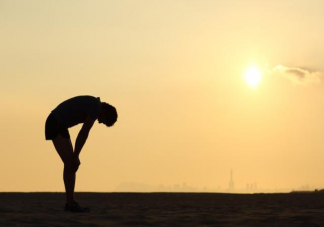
231	183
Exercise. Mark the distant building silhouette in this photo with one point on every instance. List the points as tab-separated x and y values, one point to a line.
251	188
231	186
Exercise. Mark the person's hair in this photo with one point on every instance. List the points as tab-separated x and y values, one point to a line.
110	114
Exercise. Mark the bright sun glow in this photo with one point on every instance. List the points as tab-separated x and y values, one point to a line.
253	76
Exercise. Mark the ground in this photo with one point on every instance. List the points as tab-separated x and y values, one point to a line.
164	209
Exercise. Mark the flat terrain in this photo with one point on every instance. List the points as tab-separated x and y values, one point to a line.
164	209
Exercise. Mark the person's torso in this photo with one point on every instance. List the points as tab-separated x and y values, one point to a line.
75	110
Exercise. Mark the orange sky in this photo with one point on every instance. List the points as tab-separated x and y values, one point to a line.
175	72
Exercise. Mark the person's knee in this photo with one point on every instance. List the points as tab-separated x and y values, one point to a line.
68	164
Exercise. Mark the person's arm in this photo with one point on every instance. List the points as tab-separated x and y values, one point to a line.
83	135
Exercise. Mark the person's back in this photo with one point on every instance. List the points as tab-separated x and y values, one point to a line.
75	110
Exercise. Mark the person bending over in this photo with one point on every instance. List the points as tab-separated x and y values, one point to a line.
81	109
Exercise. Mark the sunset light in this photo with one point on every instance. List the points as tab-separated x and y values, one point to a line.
253	76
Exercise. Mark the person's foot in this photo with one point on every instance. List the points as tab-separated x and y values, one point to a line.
76	208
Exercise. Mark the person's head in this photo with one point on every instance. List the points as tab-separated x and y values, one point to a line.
108	115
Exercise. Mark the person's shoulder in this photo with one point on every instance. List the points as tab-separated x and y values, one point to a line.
86	98
89	97
93	99
90	101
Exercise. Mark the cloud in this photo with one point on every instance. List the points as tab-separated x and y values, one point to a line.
298	76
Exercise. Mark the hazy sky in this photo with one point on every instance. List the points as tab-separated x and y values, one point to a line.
175	72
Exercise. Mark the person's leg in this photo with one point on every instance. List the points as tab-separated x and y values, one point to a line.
64	148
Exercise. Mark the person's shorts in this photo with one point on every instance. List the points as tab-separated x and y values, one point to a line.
53	129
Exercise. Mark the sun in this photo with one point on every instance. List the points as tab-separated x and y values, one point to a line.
253	76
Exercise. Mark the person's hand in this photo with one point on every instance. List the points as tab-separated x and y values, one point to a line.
76	162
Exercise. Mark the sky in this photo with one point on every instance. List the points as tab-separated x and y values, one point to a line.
175	71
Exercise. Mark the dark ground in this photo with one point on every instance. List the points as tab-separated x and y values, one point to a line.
164	209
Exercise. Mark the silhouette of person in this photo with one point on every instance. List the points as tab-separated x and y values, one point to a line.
80	109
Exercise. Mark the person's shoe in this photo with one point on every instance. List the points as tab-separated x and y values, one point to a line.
76	208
